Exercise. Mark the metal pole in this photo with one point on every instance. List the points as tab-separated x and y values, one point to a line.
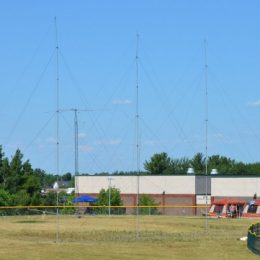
76	141
58	130
109	196
206	132
76	144
137	136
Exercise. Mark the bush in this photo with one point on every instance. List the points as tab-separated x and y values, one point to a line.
103	200
146	200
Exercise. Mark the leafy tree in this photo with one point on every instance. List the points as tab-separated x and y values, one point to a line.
181	165
16	162
253	168
239	168
159	164
14	179
22	198
146	200
67	177
36	199
1	165
50	199
4	172
223	164
115	200
198	163
32	185
47	180
27	168
68	201
5	198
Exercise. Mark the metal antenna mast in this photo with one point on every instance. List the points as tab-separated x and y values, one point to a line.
76	142
137	135
58	124
206	129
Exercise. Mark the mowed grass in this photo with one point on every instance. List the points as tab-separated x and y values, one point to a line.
123	237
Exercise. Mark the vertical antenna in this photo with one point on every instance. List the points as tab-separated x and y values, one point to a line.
206	129
76	144
57	99
76	141
58	125
137	135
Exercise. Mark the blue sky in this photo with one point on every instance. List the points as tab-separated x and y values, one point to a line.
97	45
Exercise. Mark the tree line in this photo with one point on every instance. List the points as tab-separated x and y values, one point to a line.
162	164
20	184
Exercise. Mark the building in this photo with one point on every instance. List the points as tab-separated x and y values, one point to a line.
233	187
183	191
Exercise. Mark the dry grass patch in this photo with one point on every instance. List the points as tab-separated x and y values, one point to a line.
116	237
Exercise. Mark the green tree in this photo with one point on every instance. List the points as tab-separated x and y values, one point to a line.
239	168
223	164
1	165
47	180
68	201
67	176
146	200
115	200
13	180
160	163
6	199
181	165
36	199
22	198
253	168
4	172
198	163
32	185
50	199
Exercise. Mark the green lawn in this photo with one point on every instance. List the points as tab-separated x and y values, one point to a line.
123	237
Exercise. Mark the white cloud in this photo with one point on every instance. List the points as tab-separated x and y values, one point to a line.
122	102
109	142
81	135
85	148
218	135
254	103
151	142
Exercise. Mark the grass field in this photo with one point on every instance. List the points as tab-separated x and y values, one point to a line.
117	237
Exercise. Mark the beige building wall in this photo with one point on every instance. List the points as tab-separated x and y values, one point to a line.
235	186
128	184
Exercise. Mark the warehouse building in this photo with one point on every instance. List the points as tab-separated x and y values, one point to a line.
233	187
185	192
